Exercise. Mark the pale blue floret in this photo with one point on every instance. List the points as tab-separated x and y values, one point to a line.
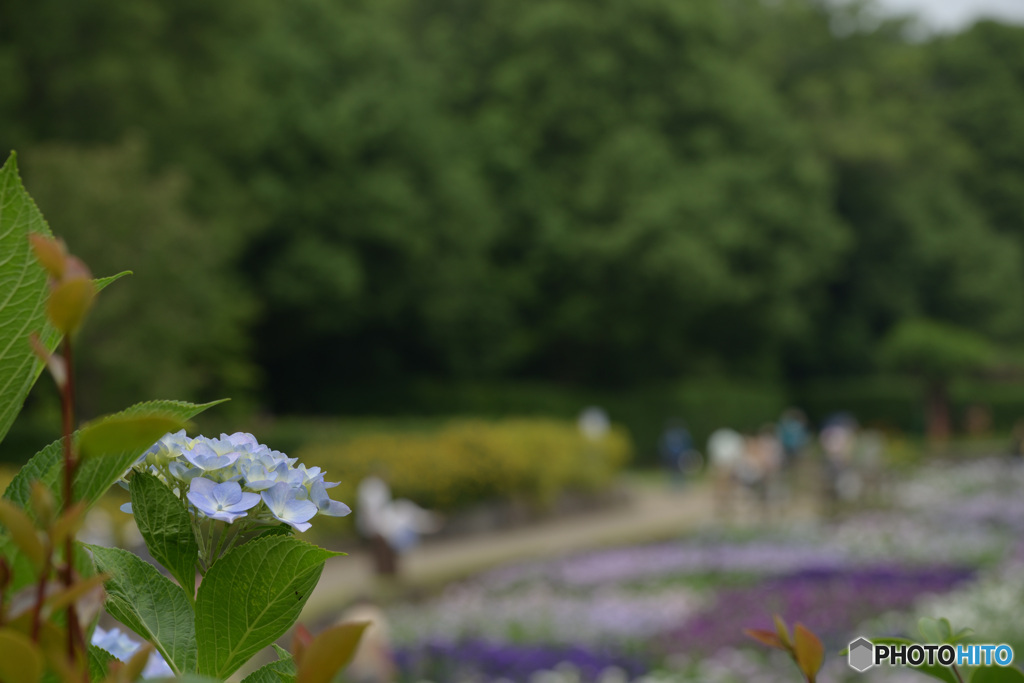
259	477
326	506
285	505
182	472
241	439
225	501
206	458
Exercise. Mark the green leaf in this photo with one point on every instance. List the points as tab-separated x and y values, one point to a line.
997	674
23	294
146	601
96	475
962	634
118	433
165	525
281	671
250	597
99	660
102	282
943	673
930	630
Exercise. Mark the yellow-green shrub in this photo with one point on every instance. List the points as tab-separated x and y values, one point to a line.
466	461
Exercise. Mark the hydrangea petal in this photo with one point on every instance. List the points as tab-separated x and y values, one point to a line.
283	504
224	501
326	506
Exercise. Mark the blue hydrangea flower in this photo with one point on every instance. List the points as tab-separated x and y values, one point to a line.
236	477
122	647
285	505
225	501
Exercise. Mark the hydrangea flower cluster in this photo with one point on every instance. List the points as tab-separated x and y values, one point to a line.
122	647
237	477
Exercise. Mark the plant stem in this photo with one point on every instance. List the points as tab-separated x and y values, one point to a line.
240	528
67	400
76	640
37	608
956	672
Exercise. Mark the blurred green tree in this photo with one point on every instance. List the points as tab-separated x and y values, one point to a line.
978	76
922	245
661	213
937	353
603	194
179	329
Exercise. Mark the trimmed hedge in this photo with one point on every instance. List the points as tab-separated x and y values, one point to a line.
705	404
468	461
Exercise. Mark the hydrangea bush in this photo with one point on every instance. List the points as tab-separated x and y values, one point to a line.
225	509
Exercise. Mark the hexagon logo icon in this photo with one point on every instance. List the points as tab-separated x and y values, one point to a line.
861	654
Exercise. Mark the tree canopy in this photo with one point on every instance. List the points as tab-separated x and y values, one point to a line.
358	193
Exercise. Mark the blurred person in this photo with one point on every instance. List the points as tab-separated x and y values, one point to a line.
726	450
676	450
870	460
392	527
793	435
760	466
838	439
594	423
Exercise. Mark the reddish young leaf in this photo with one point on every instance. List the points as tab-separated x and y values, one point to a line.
20	659
808	651
329	652
769	638
780	628
69	301
51	254
300	641
23	532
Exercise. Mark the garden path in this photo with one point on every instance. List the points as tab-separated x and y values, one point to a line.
652	512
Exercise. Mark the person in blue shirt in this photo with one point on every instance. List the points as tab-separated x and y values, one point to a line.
676	450
792	434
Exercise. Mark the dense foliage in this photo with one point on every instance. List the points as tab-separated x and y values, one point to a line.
599	195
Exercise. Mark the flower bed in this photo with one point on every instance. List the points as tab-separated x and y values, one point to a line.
676	611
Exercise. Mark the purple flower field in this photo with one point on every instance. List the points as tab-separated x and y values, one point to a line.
674	612
831	602
475	659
